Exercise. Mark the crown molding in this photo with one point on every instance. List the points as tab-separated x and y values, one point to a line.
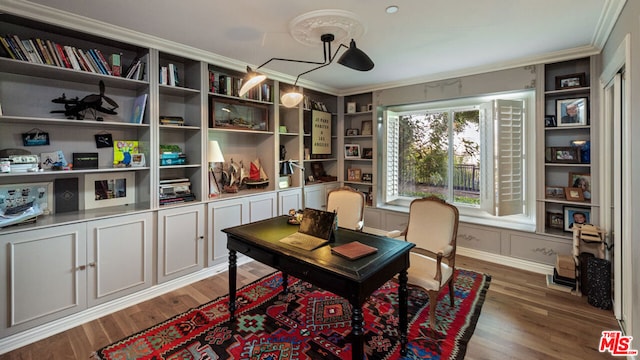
608	18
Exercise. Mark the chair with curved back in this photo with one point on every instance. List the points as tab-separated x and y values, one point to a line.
349	205
433	227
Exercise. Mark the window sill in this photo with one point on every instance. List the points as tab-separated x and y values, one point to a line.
473	216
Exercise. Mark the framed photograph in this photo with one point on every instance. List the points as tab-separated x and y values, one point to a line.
555	220
575	215
565	154
550	121
351	107
366	128
138	160
310	178
367	177
352	151
109	189
573	194
103	140
352	132
571	112
369	107
367	153
317	170
354	174
571	81
17	200
582	181
554	192
35	137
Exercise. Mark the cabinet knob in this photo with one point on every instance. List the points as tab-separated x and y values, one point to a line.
201	237
81	267
92	264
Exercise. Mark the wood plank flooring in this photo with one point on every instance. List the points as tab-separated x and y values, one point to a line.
521	319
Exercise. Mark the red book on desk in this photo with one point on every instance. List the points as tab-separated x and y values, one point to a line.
354	250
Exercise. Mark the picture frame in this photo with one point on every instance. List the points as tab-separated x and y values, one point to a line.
555	220
582	181
35	137
138	160
354	174
573	215
103	140
14	197
352	151
550	121
320	132
565	154
109	189
310	178
573	194
369	107
352	132
351	107
571	112
366	128
554	192
571	81
367	177
367	153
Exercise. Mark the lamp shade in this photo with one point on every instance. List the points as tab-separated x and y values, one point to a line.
251	80
291	98
286	168
355	58
213	152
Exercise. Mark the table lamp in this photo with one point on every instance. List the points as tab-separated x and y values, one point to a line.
214	156
286	169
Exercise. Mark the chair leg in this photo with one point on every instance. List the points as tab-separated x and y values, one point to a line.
433	301
451	292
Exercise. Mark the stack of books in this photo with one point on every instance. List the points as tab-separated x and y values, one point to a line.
175	191
172	120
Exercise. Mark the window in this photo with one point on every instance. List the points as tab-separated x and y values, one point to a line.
471	152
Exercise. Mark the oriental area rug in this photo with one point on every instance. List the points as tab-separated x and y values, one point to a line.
310	323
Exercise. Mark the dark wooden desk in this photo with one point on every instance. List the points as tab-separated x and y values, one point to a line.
354	280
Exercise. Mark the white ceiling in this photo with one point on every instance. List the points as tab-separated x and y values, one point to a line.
424	40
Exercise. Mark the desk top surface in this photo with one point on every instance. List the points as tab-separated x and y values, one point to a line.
266	234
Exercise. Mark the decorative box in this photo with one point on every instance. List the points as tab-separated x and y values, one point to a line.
566	266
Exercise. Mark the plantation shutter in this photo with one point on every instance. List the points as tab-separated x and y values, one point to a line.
487	172
509	161
392	146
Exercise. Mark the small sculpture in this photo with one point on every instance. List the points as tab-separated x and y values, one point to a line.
77	108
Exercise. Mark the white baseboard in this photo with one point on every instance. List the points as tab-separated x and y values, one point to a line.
41	332
29	336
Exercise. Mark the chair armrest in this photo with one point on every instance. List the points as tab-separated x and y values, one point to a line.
446	251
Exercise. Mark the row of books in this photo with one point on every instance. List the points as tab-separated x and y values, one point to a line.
136	69
172	120
230	85
48	52
169	75
175	191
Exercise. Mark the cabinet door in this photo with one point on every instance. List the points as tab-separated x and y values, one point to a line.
45	272
119	256
223	214
180	241
315	197
289	199
262	207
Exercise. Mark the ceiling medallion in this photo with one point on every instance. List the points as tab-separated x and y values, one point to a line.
308	28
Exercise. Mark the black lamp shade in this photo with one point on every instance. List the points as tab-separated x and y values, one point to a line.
286	168
355	58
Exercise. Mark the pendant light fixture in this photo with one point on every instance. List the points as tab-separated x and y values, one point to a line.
306	28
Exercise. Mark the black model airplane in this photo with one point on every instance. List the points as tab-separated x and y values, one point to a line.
78	108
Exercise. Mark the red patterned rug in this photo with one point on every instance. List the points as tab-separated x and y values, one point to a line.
310	323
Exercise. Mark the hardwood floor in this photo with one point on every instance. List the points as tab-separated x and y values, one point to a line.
521	319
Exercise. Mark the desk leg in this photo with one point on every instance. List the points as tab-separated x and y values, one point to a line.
232	283
403	295
357	332
285	282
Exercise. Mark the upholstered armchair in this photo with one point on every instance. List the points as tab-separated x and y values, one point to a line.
349	205
433	227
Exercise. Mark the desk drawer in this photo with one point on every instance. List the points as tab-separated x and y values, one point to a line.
327	281
252	252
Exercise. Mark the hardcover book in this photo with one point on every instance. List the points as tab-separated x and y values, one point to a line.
354	250
138	109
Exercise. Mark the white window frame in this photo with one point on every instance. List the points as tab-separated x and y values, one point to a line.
473	214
